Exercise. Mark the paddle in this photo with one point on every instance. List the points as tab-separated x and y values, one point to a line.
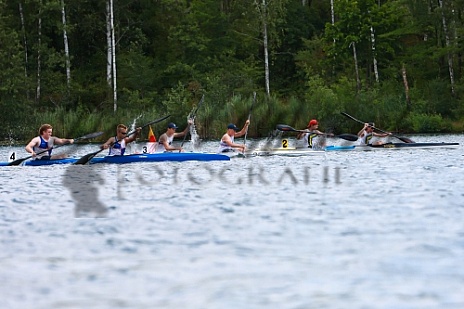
88	136
192	117
83	160
287	128
249	117
404	139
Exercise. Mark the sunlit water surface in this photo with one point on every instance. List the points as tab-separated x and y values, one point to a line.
377	229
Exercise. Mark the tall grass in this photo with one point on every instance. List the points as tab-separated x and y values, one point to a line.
384	104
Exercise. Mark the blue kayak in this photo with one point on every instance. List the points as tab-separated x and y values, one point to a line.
159	157
44	162
337	148
156	157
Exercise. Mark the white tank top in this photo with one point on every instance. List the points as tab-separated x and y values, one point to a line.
223	147
160	147
365	139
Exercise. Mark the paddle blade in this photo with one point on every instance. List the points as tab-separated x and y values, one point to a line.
348	137
18	161
89	136
285	128
405	139
83	160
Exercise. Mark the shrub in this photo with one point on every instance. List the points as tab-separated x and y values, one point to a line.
424	123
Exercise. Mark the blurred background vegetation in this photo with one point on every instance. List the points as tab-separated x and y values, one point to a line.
397	63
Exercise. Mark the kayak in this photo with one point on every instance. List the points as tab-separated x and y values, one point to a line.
412	145
397	146
160	157
156	157
339	148
288	152
295	152
44	162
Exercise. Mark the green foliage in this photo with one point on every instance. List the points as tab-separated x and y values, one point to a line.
423	123
176	104
170	52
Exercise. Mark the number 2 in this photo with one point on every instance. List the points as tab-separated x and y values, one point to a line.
284	143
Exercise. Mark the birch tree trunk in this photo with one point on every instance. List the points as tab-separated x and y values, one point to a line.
265	47
332	15
26	61
266	59
113	52
406	87
447	40
39	47
332	12
66	46
355	57
109	49
376	69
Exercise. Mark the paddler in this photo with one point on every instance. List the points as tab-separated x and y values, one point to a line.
367	133
166	139
227	143
39	145
306	139
117	144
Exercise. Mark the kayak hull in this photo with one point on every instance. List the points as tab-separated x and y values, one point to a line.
44	162
403	146
413	145
160	157
133	158
287	152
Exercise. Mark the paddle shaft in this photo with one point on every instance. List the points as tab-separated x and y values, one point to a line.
404	139
88	136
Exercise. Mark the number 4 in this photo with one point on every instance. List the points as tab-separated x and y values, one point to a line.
11	156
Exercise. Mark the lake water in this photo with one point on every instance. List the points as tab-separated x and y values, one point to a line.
368	229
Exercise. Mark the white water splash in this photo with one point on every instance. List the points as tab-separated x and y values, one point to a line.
194	138
132	147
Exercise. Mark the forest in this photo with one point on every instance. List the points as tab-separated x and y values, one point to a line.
87	65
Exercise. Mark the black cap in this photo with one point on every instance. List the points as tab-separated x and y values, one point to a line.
232	126
172	125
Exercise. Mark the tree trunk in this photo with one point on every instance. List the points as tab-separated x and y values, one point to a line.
111	54
39	44
447	40
332	15
265	46
406	88
113	49
355	57
66	47
266	60
109	61
376	70
26	61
